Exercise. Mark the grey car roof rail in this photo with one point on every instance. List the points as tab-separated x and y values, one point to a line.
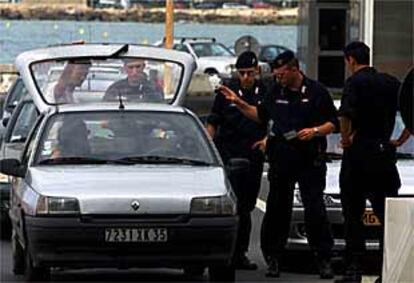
185	38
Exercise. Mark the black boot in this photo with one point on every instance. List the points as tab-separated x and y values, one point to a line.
272	267
243	262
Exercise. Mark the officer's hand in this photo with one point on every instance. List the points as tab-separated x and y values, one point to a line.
228	94
346	142
306	134
261	145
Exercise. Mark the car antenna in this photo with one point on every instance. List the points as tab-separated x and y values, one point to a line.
121	103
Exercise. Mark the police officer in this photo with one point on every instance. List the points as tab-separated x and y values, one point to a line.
301	113
368	170
235	137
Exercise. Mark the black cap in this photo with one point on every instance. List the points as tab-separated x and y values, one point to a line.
282	59
246	60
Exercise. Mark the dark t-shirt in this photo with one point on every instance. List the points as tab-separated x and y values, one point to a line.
291	111
236	133
370	101
145	91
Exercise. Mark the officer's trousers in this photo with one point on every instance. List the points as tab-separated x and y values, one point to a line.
365	174
246	187
310	175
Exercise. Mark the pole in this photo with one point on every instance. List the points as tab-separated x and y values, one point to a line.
169	41
169	23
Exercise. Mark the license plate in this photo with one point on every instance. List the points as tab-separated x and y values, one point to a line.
120	235
370	219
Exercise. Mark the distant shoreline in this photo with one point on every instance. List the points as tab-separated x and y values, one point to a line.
153	15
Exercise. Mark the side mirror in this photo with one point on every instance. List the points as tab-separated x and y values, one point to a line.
5	121
237	166
12	167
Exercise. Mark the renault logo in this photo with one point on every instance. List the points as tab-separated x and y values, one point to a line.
135	205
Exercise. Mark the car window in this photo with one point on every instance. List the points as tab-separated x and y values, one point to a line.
23	123
102	80
16	94
181	47
127	135
31	142
204	49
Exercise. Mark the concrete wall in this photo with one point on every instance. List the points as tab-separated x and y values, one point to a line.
55	2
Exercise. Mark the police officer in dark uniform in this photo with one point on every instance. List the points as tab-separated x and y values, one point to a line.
301	113
368	170
235	137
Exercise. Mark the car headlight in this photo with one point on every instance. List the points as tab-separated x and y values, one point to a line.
57	205
223	205
4	179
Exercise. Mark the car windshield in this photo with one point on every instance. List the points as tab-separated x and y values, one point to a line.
124	137
95	80
206	49
406	151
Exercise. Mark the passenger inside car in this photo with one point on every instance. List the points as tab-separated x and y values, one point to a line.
72	140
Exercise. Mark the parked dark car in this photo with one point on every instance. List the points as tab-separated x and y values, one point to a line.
13	96
269	52
17	131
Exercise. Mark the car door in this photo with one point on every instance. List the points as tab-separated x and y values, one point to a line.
18	129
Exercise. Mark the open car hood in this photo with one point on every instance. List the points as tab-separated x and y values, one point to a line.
36	63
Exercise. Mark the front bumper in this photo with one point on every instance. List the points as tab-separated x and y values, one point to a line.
297	240
74	242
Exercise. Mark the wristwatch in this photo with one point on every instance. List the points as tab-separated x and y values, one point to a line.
316	131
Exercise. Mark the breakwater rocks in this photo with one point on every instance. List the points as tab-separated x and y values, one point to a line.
155	15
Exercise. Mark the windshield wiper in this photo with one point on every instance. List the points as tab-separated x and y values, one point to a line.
82	160
156	159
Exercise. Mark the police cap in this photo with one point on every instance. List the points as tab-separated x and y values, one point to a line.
282	59
246	60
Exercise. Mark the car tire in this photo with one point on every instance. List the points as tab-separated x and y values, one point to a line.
222	273
194	271
35	273
18	257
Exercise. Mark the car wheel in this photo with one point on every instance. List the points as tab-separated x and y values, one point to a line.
35	273
222	274
17	255
194	271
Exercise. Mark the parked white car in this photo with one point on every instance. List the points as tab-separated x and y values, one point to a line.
211	56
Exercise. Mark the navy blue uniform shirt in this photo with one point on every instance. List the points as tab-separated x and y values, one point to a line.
289	110
236	132
370	101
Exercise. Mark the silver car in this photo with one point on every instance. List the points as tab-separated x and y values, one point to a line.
118	184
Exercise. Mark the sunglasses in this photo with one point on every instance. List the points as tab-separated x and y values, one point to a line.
249	73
